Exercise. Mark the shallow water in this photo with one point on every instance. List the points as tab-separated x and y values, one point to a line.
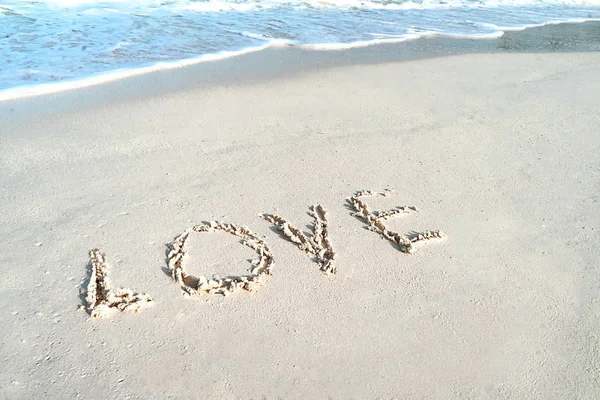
45	42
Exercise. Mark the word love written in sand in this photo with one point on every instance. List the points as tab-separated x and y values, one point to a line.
101	299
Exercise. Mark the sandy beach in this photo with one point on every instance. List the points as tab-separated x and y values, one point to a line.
499	151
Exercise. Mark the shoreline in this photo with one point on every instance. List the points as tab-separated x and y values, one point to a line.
271	62
97	75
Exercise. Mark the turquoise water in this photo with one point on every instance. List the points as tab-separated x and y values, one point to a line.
44	42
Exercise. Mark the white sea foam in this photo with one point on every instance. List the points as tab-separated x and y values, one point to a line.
359	43
220	5
214	6
387	39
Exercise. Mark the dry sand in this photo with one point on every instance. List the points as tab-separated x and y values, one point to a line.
501	152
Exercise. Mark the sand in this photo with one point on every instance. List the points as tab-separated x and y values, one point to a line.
499	151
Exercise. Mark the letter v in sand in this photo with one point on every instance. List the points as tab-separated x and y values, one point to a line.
405	243
318	244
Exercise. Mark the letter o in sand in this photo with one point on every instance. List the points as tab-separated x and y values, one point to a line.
192	285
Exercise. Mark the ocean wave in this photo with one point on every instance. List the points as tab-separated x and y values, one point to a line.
565	21
97	79
76	39
252	5
377	38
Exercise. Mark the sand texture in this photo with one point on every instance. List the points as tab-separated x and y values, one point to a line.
499	151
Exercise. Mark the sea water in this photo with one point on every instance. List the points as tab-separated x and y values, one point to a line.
49	45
